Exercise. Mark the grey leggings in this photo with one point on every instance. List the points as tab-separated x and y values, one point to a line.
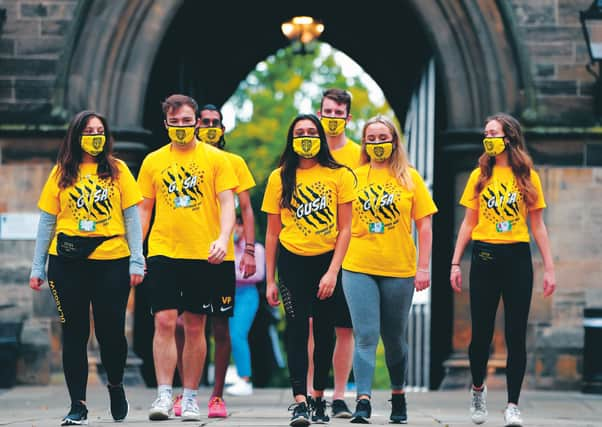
379	306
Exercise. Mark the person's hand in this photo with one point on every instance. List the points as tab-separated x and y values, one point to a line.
217	251
422	280
136	279
327	285
271	294
36	283
455	278
247	265
549	283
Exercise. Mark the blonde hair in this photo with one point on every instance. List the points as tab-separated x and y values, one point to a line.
398	162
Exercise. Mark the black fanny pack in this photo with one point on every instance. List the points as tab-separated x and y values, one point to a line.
78	247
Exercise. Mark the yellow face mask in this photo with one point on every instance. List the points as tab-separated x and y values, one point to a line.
494	145
93	144
181	134
333	126
379	151
210	135
306	146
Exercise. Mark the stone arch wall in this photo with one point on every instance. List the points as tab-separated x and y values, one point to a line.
114	45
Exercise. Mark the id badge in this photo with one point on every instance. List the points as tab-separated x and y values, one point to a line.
376	227
182	201
87	225
503	226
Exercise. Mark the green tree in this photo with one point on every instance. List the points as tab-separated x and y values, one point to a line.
274	93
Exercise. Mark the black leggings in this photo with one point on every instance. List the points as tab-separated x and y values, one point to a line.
75	284
500	270
298	278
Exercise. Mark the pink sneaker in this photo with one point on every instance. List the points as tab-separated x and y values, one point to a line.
217	408
177	406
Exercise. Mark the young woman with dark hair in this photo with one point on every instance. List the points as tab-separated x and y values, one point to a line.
90	226
504	201
308	202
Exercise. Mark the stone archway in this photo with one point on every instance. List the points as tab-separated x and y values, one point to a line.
114	47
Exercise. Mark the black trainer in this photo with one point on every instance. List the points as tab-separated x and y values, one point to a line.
362	413
340	409
319	412
119	404
78	415
399	410
300	414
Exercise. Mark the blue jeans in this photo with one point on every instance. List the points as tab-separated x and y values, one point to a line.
247	302
379	307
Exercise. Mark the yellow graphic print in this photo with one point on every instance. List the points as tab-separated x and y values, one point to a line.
90	199
500	202
377	204
182	186
311	209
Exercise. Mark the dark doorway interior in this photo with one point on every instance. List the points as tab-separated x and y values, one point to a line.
210	48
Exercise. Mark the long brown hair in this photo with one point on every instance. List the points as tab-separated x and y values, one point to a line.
70	152
518	158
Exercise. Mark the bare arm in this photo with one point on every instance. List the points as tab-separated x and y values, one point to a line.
464	235
540	234
424	226
247	264
218	248
271	243
329	280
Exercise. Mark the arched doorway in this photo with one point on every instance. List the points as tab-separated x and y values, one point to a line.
124	57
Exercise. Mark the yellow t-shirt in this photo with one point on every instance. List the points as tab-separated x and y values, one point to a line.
310	228
93	204
348	155
502	209
185	187
381	232
242	172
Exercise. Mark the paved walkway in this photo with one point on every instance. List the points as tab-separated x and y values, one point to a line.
45	406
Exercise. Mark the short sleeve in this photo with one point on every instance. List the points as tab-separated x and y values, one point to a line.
469	199
49	199
145	178
423	202
225	178
245	178
273	192
348	182
130	192
540	203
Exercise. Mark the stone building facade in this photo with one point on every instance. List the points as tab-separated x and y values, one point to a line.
525	57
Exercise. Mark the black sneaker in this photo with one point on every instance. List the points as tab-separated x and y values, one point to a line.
362	413
119	404
398	409
319	412
300	414
340	409
78	415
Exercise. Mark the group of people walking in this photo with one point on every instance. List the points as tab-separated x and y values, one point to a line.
339	255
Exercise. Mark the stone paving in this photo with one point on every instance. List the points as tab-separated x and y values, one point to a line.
46	405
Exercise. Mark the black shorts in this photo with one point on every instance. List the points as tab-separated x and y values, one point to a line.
191	285
304	273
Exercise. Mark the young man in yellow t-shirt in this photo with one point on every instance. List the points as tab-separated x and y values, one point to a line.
335	114
190	269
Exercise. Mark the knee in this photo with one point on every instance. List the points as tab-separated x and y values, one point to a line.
165	323
221	330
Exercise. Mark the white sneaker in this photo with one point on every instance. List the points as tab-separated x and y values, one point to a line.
161	409
190	410
240	388
512	415
478	405
231	376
